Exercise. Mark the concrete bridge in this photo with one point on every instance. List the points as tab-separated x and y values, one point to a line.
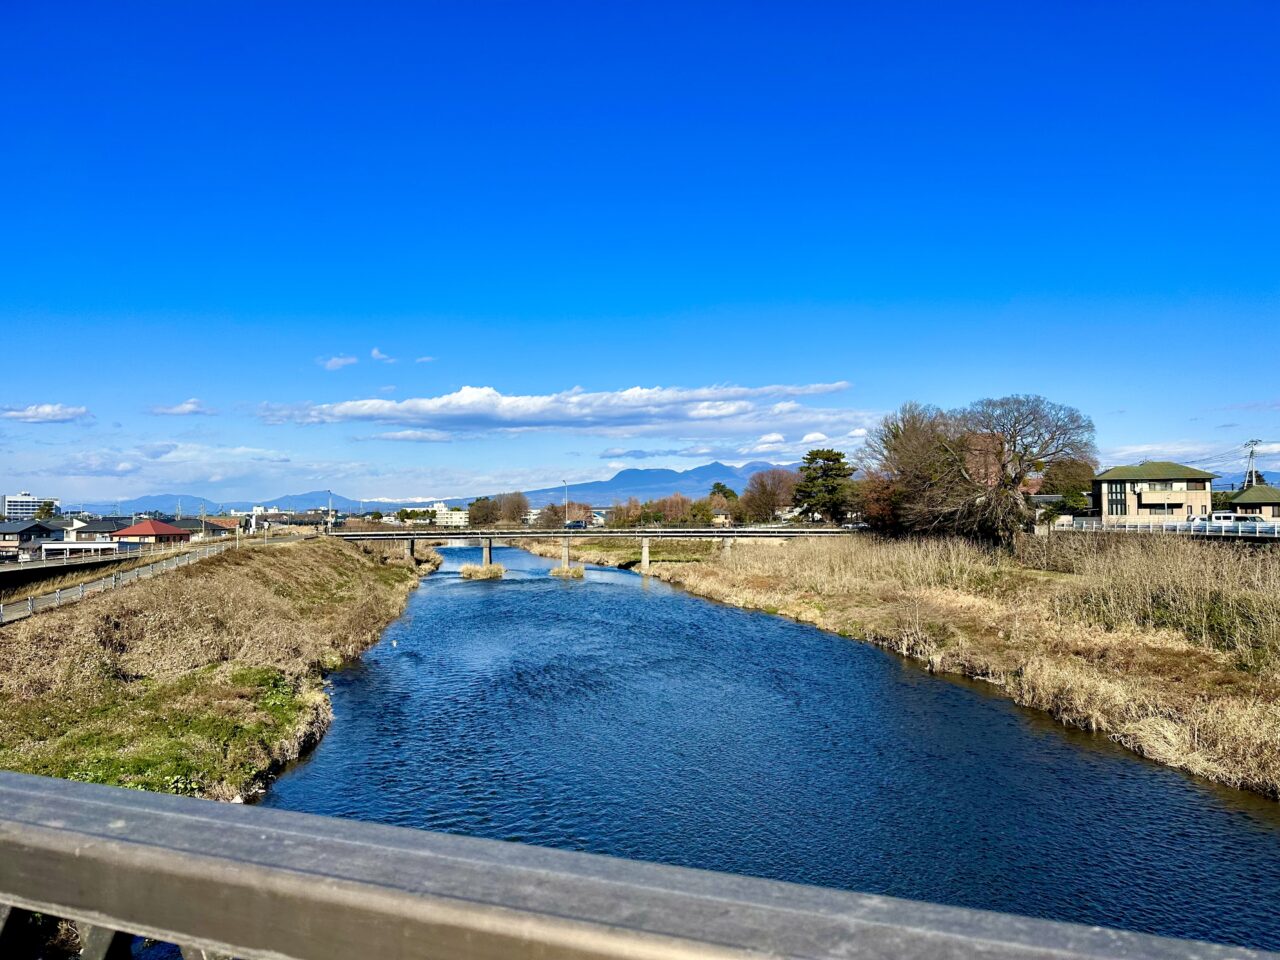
726	535
238	881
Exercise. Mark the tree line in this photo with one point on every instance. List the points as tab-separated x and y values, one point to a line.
968	471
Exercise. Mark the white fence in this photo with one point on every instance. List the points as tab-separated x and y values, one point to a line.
1257	530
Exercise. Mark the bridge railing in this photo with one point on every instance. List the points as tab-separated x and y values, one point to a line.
259	884
524	533
1258	529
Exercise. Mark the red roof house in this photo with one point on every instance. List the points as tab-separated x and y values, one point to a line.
152	531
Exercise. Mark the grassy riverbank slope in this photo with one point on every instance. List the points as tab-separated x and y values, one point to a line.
201	681
1171	647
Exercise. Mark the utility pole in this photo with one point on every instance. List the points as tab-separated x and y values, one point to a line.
566	502
1251	468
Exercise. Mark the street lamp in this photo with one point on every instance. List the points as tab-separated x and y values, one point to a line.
566	503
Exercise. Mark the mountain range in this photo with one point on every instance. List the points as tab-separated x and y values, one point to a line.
641	483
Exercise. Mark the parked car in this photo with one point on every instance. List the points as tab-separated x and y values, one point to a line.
576	525
1237	518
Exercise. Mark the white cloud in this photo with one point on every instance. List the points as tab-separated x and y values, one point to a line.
98	464
424	360
44	413
416	436
712	410
336	363
380	356
187	408
770	446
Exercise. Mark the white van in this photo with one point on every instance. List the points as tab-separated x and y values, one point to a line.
1233	518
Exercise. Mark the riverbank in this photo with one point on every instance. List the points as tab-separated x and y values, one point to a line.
205	681
1169	647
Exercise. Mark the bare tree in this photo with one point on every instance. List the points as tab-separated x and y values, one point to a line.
966	470
512	508
1008	439
768	493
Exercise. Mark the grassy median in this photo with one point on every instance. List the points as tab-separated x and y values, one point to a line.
201	681
1170	646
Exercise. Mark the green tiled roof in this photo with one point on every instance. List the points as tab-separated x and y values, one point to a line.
1155	470
1260	493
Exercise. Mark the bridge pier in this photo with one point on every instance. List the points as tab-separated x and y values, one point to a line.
644	554
564	553
409	548
486	548
726	547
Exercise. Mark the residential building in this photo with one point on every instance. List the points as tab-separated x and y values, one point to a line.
453	518
1153	490
151	531
68	525
202	528
1262	499
447	516
25	536
23	506
94	531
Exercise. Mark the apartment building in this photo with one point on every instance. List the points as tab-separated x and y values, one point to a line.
23	506
1153	490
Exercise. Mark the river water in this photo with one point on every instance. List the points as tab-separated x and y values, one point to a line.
621	716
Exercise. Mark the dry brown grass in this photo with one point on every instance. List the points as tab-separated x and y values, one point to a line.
1220	595
568	573
199	681
1167	646
481	571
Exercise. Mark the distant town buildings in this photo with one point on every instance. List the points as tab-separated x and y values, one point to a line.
23	506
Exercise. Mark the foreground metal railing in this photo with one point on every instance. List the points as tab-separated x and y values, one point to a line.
262	884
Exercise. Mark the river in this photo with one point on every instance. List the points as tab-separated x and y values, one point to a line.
619	715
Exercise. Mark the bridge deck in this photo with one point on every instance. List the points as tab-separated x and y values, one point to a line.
632	533
257	883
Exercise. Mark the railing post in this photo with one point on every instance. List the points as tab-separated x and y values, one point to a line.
102	943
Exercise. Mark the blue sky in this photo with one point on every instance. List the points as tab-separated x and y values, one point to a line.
623	234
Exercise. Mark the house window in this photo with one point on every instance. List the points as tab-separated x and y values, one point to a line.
1117	502
1160	510
1195	485
1275	510
1160	485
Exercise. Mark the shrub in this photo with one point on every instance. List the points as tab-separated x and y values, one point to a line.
481	571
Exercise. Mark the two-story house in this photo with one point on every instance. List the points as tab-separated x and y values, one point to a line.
1154	490
1261	499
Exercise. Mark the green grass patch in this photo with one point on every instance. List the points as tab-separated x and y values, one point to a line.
206	728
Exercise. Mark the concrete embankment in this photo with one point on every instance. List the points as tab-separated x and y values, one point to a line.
1195	686
205	681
